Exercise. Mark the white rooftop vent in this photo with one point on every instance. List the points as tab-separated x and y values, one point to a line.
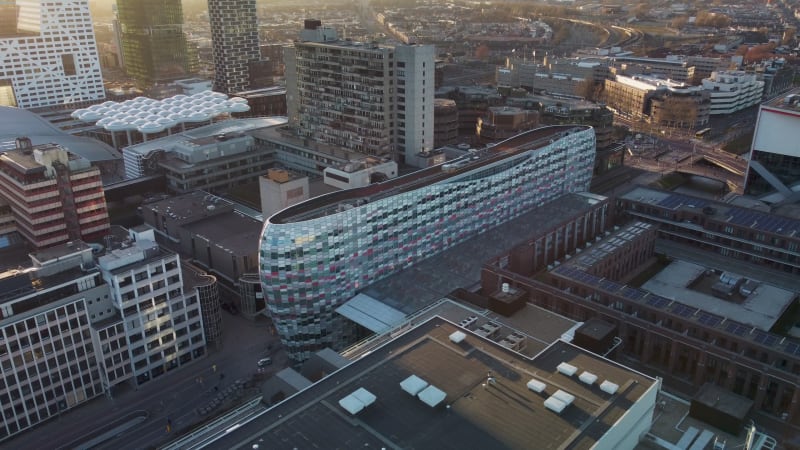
536	386
588	377
554	404
565	397
413	384
505	288
432	395
357	401
567	369
457	337
609	387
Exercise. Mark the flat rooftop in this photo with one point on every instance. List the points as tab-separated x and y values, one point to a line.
232	231
460	266
514	146
167	143
781	103
195	204
504	415
761	309
723	212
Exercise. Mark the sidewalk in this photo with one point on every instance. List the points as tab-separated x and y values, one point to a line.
170	398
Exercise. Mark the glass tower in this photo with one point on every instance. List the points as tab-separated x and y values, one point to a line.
153	43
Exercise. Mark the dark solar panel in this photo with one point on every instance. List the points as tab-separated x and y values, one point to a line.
793	348
683	310
675	200
766	338
709	320
657	301
609	286
737	328
633	294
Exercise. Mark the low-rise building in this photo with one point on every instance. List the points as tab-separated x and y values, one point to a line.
215	157
210	231
732	91
658	101
503	122
281	188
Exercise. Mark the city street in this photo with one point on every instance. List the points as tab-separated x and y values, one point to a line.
169	400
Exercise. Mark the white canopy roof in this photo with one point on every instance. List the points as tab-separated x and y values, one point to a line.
432	395
413	384
371	313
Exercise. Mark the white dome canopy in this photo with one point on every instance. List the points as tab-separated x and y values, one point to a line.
151	116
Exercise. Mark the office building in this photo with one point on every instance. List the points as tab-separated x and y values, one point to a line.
213	157
659	101
153	42
47	355
457	379
733	231
52	58
445	122
55	195
319	253
503	122
773	171
361	97
234	41
160	317
732	91
209	230
689	324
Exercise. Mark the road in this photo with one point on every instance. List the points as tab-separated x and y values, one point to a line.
174	395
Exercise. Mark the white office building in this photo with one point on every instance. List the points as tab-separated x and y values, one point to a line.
163	323
362	97
52	57
733	91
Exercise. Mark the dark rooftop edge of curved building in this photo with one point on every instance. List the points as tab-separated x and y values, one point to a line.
512	146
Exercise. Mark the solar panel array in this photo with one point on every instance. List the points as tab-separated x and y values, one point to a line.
709	320
675	201
764	222
772	341
683	310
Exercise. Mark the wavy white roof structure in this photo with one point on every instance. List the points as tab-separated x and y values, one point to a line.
147	115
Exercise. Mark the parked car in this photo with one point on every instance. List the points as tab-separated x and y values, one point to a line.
263	362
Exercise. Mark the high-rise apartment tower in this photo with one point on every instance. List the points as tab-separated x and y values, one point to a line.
367	98
234	41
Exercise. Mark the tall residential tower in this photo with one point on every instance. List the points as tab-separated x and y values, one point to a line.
367	98
153	43
50	58
234	40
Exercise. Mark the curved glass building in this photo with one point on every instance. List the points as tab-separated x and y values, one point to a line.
318	254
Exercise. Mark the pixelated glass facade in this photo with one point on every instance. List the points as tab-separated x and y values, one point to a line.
313	263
